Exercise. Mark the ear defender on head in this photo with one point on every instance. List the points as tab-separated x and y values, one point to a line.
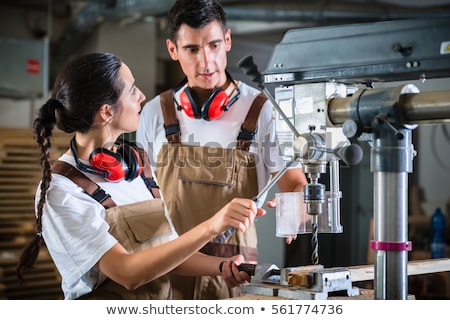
214	106
112	166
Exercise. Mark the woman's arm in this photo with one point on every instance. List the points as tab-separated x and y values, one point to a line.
134	270
202	264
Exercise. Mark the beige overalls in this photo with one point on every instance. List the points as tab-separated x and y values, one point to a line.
137	227
196	183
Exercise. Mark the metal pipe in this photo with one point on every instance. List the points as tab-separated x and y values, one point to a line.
334	209
274	180
280	111
390	217
391	161
426	107
415	108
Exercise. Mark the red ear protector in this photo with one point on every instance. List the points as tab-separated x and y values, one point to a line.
113	166
214	106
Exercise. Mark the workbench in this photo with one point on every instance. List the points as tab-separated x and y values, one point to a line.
365	273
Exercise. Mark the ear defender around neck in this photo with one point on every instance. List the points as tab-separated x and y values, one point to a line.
214	106
125	164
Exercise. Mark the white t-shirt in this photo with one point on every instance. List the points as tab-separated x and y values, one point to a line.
222	132
74	228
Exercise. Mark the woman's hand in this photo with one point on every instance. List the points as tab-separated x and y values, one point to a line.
238	213
231	274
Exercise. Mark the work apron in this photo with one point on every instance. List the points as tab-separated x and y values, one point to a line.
138	226
196	183
195	187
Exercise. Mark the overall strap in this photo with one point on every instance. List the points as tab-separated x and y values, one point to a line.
249	127
171	124
89	186
147	176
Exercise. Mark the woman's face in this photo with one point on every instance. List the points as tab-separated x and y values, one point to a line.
129	103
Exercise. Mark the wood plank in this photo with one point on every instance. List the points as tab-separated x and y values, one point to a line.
18	242
15	231
13	198
16	216
35	276
42	264
21	166
37	294
32	179
38	284
27	188
8	206
366	272
28	174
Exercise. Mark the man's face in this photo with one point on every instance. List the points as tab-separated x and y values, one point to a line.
202	54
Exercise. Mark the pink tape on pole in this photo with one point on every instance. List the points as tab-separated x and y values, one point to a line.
391	246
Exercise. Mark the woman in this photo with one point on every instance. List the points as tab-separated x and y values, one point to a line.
106	230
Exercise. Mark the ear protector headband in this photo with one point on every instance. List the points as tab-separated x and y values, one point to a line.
112	166
214	106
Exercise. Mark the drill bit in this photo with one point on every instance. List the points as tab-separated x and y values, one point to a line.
315	241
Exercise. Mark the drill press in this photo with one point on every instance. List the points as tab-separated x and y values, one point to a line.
327	103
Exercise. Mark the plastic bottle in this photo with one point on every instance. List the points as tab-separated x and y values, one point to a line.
438	246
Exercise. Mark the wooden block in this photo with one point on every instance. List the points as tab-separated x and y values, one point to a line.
301	276
299	279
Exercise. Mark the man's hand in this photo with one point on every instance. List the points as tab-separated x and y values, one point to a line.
272	204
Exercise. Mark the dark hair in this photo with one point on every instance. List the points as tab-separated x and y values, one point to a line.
81	88
195	13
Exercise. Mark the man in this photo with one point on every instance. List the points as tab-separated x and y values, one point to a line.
211	139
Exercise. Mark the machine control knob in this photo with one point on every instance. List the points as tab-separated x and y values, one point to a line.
350	129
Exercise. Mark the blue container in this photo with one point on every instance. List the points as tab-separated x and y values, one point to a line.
438	246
